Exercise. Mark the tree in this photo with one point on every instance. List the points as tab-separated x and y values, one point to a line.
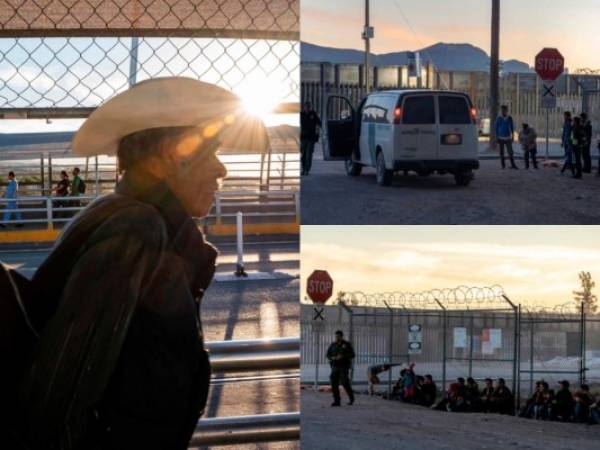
585	296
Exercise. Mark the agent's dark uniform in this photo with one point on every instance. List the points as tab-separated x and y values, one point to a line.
587	148
340	368
122	341
309	136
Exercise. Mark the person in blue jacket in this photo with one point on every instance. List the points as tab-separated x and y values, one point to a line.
12	190
505	130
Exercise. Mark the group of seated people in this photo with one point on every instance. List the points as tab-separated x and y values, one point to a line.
465	396
410	388
562	404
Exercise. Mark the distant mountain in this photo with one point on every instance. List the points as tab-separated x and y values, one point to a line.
443	56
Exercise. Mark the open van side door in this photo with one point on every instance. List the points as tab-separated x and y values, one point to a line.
340	129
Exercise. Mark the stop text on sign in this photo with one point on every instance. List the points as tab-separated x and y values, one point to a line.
551	64
319	286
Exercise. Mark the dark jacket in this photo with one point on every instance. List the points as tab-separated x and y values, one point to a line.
308	126
121	362
587	129
345	350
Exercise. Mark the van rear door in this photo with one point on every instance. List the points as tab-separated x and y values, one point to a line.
341	130
418	129
458	128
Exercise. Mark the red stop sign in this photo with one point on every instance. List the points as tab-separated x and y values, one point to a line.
319	286
549	64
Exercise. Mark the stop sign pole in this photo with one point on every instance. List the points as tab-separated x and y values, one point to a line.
319	287
549	65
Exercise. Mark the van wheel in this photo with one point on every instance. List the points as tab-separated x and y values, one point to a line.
384	176
353	168
463	178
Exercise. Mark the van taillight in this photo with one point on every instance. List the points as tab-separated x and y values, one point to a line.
397	116
474	115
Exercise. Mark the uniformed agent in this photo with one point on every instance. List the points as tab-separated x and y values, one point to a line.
340	355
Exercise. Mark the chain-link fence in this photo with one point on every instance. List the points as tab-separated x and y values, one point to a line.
451	333
60	57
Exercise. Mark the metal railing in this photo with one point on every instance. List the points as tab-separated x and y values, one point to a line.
250	355
255	204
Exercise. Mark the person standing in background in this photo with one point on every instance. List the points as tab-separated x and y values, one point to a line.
309	135
586	150
12	193
527	138
566	143
505	130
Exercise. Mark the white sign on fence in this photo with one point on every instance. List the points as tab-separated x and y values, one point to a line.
496	337
415	339
460	337
548	96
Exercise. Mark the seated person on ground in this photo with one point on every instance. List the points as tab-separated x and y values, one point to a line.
428	391
472	395
583	400
563	405
536	399
502	398
408	384
485	397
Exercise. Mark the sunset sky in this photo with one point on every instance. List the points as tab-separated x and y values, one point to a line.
534	264
526	26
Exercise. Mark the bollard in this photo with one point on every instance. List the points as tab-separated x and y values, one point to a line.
239	270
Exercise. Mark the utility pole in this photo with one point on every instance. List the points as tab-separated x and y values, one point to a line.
133	61
494	71
367	35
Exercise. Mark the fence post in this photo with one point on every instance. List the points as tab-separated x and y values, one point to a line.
49	213
49	176
444	333
239	267
531	359
390	347
471	326
317	358
582	346
516	386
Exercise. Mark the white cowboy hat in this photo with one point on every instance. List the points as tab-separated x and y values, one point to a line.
170	102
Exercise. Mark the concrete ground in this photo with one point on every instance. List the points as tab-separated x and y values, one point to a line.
495	196
374	423
242	309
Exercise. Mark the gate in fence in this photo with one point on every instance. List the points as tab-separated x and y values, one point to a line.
463	332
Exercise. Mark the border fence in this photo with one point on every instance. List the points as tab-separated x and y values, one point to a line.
62	59
520	91
450	333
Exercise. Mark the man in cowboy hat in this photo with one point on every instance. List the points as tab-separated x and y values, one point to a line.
121	361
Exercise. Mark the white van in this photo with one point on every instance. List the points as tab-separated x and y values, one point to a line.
421	130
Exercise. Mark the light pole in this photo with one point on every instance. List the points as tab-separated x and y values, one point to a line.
367	35
494	69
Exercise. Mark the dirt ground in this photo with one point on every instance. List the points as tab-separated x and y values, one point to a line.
496	196
374	423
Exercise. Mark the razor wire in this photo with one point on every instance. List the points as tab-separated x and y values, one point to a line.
74	72
460	297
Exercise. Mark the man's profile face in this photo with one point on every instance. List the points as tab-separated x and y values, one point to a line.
11	176
339	338
196	171
504	111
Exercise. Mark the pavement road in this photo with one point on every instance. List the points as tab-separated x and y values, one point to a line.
374	423
495	196
238	309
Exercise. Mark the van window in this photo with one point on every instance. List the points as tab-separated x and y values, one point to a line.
379	109
454	110
418	110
